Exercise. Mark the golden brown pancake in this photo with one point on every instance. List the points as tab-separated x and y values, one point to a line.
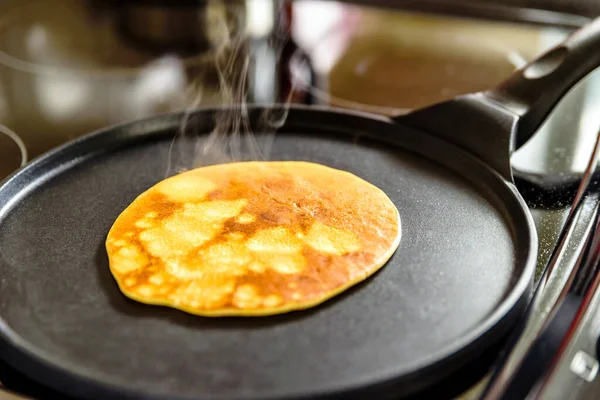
252	238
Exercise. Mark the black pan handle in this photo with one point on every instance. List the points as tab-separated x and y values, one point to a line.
493	123
533	91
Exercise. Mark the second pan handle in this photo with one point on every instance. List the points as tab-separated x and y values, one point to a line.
533	91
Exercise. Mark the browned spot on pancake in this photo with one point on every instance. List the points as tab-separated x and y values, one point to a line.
251	238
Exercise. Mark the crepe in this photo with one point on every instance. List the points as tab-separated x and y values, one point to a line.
251	238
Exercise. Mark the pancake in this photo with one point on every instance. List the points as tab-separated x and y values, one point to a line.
251	238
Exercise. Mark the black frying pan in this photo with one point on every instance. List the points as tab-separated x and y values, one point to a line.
460	278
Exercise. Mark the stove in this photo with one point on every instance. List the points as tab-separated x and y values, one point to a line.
79	66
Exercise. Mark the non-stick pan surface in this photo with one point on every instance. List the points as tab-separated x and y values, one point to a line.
459	277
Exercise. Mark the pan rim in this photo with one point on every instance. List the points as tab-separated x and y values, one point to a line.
34	358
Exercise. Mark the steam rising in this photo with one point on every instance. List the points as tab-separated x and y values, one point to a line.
244	64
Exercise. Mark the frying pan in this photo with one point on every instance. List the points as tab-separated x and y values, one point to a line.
459	279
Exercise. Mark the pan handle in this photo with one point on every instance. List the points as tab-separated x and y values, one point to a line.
533	91
493	123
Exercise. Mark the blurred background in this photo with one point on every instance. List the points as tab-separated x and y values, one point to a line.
68	67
